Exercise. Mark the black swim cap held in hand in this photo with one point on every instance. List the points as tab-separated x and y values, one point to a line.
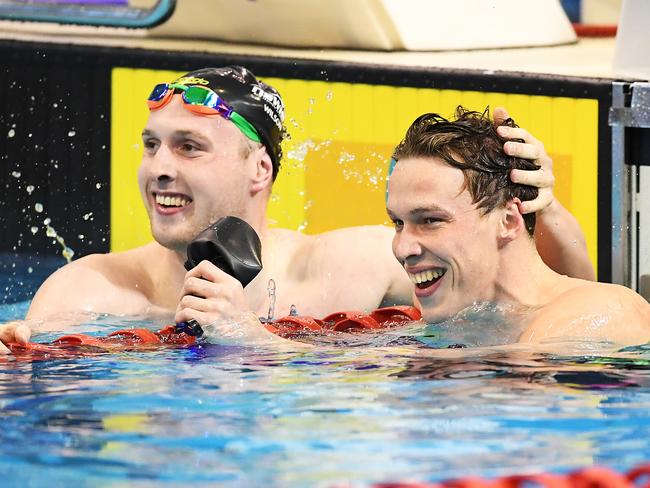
259	103
230	244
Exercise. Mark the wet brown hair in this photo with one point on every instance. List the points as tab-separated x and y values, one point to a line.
470	143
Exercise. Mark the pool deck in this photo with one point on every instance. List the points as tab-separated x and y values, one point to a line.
589	57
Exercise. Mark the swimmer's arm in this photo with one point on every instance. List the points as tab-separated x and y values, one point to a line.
61	303
400	289
558	236
80	288
591	313
247	330
561	243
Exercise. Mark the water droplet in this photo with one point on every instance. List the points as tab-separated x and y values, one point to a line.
88	215
71	133
11	133
16	174
300	153
55	105
98	185
30	270
50	232
30	189
81	237
47	221
34	229
38	207
346	158
68	253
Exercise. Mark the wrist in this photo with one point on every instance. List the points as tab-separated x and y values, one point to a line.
551	209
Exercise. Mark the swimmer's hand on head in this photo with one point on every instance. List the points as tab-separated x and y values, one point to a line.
534	150
558	236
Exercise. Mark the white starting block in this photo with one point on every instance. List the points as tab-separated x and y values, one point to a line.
390	25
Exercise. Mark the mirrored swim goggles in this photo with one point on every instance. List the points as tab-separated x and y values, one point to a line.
201	101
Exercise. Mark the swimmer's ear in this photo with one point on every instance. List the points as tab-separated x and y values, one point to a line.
263	176
511	224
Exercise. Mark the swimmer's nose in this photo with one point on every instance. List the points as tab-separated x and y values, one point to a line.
406	244
162	167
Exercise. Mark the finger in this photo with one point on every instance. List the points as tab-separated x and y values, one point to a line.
538	178
185	314
198	287
207	270
196	303
22	333
517	133
7	333
522	150
540	203
500	115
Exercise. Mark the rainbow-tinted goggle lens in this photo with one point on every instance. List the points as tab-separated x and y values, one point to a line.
201	101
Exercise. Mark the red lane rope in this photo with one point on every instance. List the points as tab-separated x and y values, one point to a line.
142	339
592	477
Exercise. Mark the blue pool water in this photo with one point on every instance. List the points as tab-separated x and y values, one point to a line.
234	416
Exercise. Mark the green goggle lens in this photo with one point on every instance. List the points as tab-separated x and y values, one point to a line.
205	97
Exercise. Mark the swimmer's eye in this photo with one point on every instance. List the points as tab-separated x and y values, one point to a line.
433	221
150	144
189	147
398	224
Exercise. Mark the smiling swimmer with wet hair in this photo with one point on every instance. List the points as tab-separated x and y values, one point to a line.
462	238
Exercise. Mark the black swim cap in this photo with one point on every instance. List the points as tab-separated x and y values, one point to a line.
254	100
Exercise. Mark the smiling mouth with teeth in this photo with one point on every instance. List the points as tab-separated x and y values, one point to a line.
172	201
425	279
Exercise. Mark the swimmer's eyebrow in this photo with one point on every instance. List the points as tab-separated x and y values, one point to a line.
417	211
427	209
179	134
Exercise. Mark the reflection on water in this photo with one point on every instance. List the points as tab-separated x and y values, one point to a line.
235	416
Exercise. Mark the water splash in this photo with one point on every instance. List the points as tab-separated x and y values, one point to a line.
67	252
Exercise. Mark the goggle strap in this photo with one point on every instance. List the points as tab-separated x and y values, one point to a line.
245	126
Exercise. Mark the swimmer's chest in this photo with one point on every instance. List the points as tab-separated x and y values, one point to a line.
318	298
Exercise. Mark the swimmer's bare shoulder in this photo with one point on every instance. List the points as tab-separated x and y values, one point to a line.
592	311
115	283
364	257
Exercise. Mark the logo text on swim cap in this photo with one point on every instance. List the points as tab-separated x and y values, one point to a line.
274	100
191	80
274	117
